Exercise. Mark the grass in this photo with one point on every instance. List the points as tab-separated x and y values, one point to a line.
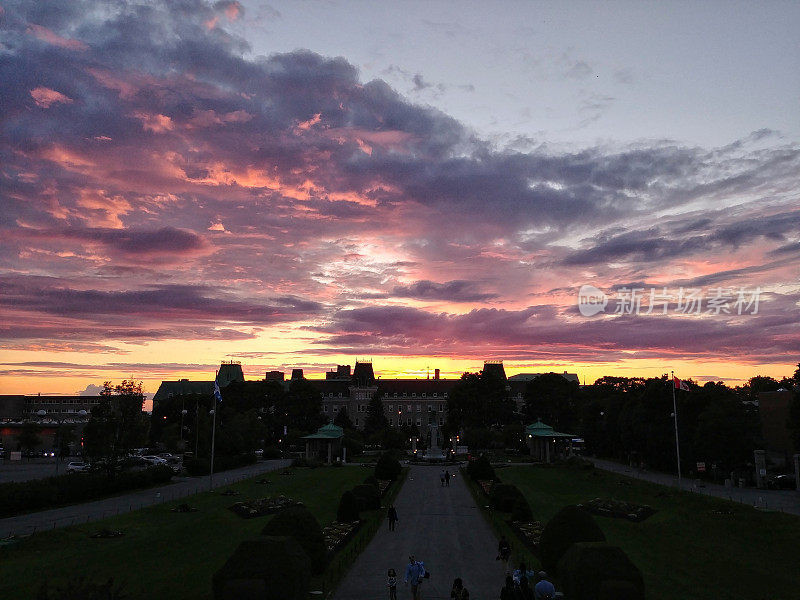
165	554
686	550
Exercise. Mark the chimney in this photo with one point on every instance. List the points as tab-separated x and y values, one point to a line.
436	373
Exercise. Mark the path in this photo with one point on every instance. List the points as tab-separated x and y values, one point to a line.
781	500
108	507
444	528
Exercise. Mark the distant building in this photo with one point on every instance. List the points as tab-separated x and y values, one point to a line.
58	411
415	402
532	376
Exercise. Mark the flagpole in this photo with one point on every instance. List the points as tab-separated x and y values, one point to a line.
677	443
214	433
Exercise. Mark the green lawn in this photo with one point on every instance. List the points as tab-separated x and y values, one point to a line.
165	554
685	550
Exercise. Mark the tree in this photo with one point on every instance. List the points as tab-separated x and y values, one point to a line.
342	419
117	424
479	400
301	407
552	398
28	437
793	423
376	421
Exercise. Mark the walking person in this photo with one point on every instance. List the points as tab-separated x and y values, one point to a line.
504	551
459	592
415	573
441	477
391	583
447	478
508	593
543	590
391	515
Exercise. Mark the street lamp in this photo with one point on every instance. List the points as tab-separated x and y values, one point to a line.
43	413
183	413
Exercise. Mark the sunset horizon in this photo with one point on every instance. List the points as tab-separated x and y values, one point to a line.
189	183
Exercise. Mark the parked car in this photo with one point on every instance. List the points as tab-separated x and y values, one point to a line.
175	463
154	460
781	482
77	467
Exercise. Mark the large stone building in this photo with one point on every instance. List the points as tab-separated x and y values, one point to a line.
414	402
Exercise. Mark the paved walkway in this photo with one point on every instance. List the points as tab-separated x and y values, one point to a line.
108	507
442	527
781	500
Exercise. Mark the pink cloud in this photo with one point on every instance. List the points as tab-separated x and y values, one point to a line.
44	34
45	97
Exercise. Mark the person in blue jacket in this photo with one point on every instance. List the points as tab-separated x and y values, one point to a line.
415	573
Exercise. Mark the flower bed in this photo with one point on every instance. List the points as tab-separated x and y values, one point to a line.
618	509
529	532
336	535
486	485
263	506
383	485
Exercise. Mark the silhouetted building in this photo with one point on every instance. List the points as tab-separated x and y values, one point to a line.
297	374
274	376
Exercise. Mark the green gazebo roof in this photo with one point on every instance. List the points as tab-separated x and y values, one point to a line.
543	430
326	432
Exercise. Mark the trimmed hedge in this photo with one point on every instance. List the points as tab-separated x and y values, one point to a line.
39	494
368	497
522	511
270	568
387	467
595	570
568	526
348	508
299	523
504	496
371	480
202	466
480	469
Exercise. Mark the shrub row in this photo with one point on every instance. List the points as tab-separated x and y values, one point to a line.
480	469
299	523
202	466
39	494
388	467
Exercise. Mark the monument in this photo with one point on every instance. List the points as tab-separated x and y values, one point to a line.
433	452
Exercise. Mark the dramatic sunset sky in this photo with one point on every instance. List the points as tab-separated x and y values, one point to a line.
426	184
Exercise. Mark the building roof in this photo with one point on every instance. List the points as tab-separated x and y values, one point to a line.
326	432
182	387
532	376
542	430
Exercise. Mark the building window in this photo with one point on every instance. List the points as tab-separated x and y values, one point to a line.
335	408
340	394
391	407
430	407
441	421
435	394
414	395
391	422
325	408
419	422
405	394
356	421
408	408
408	421
419	407
423	394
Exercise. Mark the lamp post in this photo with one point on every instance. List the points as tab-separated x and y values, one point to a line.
59	420
675	416
183	414
213	435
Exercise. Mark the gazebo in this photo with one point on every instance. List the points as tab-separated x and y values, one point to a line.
545	443
325	444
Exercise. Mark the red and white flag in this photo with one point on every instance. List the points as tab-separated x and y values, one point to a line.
680	385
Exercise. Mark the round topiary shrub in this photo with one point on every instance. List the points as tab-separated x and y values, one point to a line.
298	522
371	480
503	497
367	496
568	526
256	565
480	469
348	508
388	467
595	571
522	511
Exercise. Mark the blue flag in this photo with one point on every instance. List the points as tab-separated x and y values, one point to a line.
217	393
